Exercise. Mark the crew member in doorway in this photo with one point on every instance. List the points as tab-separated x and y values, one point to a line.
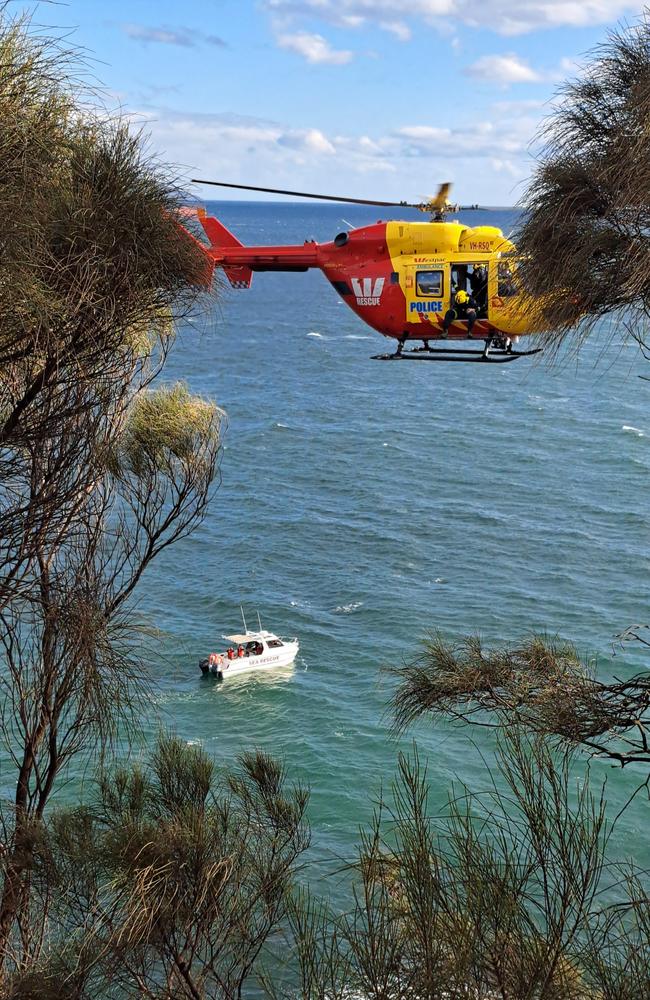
478	283
463	308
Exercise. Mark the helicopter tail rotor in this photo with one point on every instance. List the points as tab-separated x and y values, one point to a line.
239	275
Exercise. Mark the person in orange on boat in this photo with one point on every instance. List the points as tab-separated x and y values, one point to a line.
230	653
240	651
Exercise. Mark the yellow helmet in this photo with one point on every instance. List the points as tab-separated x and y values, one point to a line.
462	297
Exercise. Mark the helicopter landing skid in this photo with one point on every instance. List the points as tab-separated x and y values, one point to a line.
493	356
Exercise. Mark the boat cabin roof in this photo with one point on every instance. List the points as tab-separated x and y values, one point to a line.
242	638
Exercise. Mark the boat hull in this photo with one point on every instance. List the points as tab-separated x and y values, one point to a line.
268	660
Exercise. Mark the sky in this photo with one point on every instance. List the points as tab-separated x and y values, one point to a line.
367	98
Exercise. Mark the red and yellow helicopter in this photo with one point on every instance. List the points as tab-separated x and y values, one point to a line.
436	282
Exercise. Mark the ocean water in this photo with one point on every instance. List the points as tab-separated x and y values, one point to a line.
363	505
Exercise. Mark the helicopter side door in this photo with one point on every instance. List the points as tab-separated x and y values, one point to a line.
426	292
502	289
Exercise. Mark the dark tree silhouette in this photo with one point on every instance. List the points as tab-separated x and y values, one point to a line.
498	898
584	246
97	472
171	880
541	684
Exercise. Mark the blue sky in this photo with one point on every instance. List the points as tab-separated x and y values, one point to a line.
370	98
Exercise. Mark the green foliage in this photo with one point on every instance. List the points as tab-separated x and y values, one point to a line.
499	898
541	683
585	243
94	261
95	270
174	876
165	426
56	978
616	955
179	879
463	676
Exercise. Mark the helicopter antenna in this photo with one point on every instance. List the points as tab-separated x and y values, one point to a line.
243	618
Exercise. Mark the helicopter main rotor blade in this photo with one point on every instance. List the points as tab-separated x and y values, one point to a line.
322	197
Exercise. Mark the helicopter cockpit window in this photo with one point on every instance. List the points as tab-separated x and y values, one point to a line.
429	283
507	281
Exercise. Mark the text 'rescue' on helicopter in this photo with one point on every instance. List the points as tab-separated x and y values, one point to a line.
436	283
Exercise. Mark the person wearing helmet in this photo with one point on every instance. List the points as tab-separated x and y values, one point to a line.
463	308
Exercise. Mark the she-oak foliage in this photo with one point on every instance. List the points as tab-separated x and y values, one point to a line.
98	474
171	880
585	241
541	684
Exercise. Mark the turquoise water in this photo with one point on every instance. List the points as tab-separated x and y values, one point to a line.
364	504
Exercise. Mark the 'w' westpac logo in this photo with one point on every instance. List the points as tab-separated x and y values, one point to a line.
367	292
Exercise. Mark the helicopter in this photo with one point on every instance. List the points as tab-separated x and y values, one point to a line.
437	282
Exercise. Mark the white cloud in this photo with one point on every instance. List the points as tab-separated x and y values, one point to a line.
310	140
217	142
503	166
314	48
424	133
508	17
397	28
479	139
207	142
503	70
184	37
484	156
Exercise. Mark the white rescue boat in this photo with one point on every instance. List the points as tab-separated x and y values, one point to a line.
250	651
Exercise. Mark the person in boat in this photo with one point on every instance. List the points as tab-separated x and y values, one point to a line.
240	651
230	653
463	308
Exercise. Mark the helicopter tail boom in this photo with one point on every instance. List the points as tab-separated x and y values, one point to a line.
239	261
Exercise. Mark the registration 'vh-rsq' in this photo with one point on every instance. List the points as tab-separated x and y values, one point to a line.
449	288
